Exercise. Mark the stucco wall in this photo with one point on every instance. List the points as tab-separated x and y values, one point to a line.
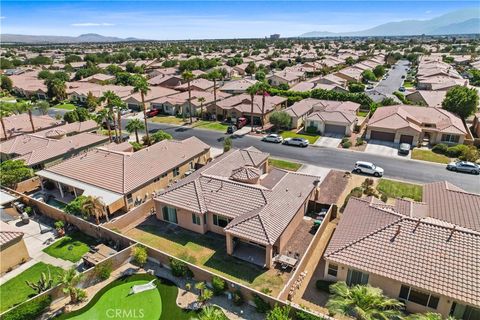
13	254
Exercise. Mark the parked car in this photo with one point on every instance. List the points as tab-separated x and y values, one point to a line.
369	87
275	138
368	168
152	113
464	166
299	142
241	122
401	89
404	148
231	129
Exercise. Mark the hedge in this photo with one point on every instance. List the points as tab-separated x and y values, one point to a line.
30	309
323	285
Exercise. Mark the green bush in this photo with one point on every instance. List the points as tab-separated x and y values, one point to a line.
238	299
456	151
302	315
180	268
384	197
359	141
104	270
440	148
470	154
139	255
136	146
75	207
311	130
323	285
218	285
346	144
29	310
356	192
260	305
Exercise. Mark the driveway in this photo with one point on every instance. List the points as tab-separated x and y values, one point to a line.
384	148
329	141
314	170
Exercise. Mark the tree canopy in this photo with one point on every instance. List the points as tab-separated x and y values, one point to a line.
280	119
13	172
461	101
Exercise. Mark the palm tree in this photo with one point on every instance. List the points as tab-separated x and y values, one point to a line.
70	279
120	105
201	100
362	302
141	85
111	99
26	106
188	76
56	88
102	116
133	126
211	313
6	109
94	206
263	89
252	91
215	75
42	106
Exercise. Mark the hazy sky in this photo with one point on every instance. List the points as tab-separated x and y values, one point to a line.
162	20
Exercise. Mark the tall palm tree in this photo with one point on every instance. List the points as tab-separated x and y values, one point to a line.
120	105
111	99
6	109
188	76
141	85
102	116
56	88
252	91
70	279
26	106
201	100
215	75
94	206
263	87
133	126
362	302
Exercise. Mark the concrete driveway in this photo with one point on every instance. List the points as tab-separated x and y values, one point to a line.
384	148
329	141
314	170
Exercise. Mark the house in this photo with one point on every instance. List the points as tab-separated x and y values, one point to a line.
167	81
13	250
236	196
134	100
241	106
286	77
422	253
350	74
40	151
28	85
331	79
19	124
99	78
412	124
237	86
427	98
79	91
199	84
124	179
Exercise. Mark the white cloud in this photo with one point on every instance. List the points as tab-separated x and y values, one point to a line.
2	17
92	24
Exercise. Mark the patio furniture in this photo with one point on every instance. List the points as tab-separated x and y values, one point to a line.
289	261
101	253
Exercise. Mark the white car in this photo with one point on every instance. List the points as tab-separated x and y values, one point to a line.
275	138
368	168
299	142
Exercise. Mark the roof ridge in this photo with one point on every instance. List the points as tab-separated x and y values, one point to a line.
200	198
432	220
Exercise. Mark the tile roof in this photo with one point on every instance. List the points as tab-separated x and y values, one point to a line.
8	233
20	123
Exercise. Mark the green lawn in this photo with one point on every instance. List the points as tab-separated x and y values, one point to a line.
283	164
15	290
397	189
8	99
65	106
428	155
408	84
362	113
291	134
168	119
71	247
211	125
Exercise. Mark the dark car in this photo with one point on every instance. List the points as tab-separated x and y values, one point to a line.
231	129
241	122
152	113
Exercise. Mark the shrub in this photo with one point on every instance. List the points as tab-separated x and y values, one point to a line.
302	315
161	135
59	224
456	151
238	299
323	285
218	285
81	294
356	192
139	255
260	305
346	144
29	310
384	197
227	144
311	130
440	148
75	207
104	270
136	146
179	268
147	140
470	154
367	183
359	141
370	191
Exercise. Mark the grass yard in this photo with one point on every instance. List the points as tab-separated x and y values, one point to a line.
408	84
211	125
397	189
291	134
283	164
15	290
65	106
428	155
207	251
362	113
71	247
168	120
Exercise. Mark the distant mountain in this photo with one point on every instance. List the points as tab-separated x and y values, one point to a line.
463	21
88	37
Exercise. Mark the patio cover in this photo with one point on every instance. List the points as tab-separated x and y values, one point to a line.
108	197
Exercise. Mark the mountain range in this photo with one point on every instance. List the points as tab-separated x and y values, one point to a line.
465	21
83	38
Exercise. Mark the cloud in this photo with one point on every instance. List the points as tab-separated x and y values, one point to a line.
2	17
92	24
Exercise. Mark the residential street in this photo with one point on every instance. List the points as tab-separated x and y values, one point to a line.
398	168
394	79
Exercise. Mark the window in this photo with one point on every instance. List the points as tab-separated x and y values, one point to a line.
422	298
204	219
170	214
163	175
355	277
332	269
450	138
156	179
220	221
464	312
195	219
176	171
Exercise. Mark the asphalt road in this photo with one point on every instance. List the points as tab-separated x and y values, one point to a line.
394	79
397	168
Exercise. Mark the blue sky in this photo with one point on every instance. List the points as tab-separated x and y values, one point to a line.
162	20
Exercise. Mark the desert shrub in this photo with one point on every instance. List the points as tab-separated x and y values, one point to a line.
440	148
136	146
356	192
359	141
103	270
29	310
238	299
260	305
384	197
139	255
180	268
456	151
218	285
470	154
81	294
346	144
370	191
311	130
367	183
323	285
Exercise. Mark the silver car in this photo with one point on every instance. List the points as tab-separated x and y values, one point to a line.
299	142
275	138
464	166
368	168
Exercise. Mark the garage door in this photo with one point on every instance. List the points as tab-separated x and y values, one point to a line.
331	128
406	139
383	136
